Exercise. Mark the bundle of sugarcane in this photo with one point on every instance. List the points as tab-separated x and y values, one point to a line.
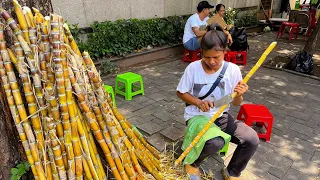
63	108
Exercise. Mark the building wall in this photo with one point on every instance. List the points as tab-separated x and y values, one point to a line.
85	12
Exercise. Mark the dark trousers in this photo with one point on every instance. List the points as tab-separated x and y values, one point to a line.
244	136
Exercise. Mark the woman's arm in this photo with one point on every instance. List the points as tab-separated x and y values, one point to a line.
229	36
188	98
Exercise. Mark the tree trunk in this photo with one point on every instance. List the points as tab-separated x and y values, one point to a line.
10	146
311	42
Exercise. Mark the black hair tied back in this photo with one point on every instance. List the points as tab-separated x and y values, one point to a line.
215	38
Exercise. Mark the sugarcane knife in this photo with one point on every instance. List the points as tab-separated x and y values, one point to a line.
223	101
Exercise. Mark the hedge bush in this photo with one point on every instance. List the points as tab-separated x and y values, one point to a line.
117	38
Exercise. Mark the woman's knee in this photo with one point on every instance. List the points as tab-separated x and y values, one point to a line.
251	138
215	143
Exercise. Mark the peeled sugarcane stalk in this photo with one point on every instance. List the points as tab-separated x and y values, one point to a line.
20	106
91	118
222	108
60	80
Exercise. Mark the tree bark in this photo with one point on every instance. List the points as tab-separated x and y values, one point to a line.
312	40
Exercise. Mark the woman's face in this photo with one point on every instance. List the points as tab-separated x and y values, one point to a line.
222	11
213	58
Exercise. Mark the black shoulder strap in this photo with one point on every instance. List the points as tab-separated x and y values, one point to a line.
216	83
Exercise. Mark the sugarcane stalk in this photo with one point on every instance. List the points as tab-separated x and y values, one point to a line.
56	149
55	174
72	42
29	14
21	19
54	110
93	149
222	108
16	118
59	75
95	78
91	118
90	158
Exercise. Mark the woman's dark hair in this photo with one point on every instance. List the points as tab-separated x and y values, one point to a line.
214	39
218	7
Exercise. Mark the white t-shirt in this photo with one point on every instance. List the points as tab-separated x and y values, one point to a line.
198	83
193	21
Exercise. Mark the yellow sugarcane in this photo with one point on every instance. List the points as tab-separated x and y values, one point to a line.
93	124
29	14
95	78
222	108
16	118
58	58
21	19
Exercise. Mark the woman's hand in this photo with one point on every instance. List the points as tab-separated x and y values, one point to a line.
205	105
241	88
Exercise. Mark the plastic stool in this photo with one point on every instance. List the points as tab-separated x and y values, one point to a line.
109	89
224	150
128	79
260	114
237	57
294	27
191	56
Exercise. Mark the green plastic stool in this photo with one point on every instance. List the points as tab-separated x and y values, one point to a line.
224	150
129	89
109	89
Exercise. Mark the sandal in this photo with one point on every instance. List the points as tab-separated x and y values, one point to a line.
193	172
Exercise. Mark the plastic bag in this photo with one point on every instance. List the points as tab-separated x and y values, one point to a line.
302	62
239	37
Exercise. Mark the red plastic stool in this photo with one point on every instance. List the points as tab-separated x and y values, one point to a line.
260	114
191	56
237	57
294	28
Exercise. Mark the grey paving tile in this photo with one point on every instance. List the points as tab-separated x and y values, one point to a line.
150	127
172	133
301	128
316	157
157	141
292	174
277	160
303	145
276	172
303	164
